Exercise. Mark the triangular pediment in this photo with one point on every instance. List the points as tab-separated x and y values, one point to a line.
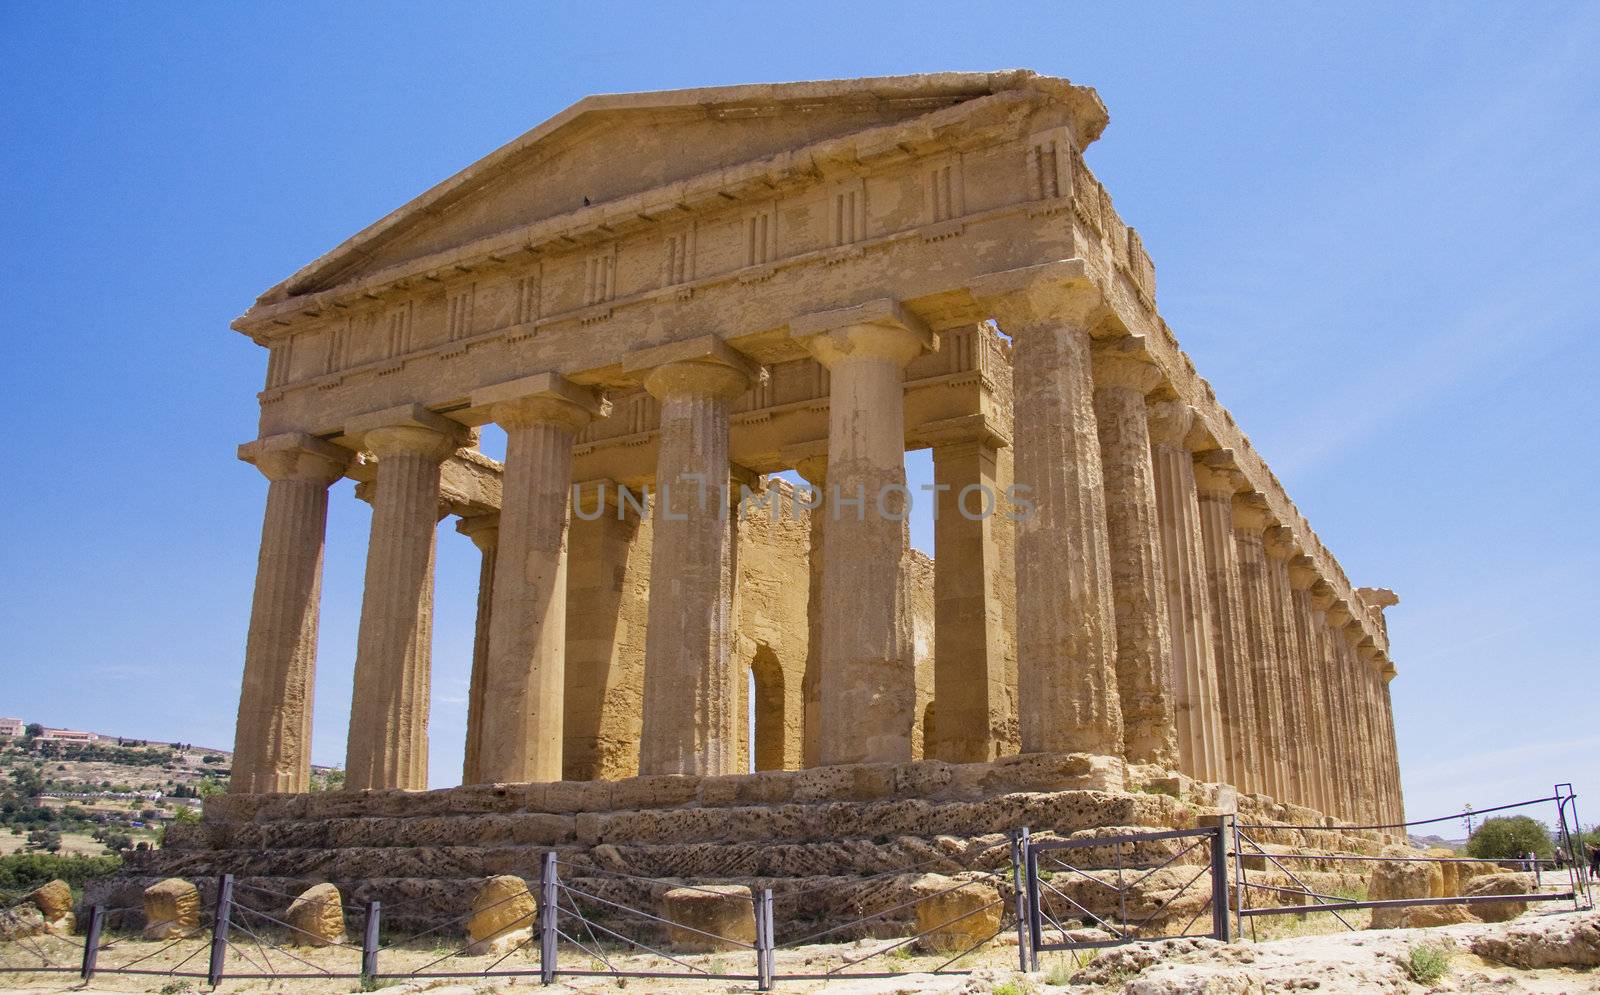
607	147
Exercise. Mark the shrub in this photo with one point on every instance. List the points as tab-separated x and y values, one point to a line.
27	871
1428	963
1508	837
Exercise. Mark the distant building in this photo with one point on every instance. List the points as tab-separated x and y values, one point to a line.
11	727
68	736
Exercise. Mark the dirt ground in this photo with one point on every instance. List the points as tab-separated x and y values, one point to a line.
1330	962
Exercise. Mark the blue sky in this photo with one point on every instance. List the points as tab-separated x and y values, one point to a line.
1375	232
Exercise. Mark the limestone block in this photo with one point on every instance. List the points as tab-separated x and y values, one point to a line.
171	909
1499	884
953	917
317	916
503	916
1404	879
725	911
1571	941
21	921
53	899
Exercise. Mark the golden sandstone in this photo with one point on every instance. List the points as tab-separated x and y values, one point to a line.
665	299
171	909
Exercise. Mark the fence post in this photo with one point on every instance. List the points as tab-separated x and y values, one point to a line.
1221	909
1019	844
764	944
219	930
91	941
369	942
547	920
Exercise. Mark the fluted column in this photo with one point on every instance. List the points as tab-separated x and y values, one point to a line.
1345	746
272	741
1397	803
1249	523
814	468
388	742
1066	629
1280	546
608	568
1364	809
1123	375
868	686
1197	703
969	678
1373	738
1230	640
484	531
1302	576
691	720
525	675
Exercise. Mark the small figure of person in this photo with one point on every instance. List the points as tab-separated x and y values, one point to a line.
1594	861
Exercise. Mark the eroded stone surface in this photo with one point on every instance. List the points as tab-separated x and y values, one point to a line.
171	909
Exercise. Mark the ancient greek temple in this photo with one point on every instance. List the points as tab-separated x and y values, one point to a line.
719	285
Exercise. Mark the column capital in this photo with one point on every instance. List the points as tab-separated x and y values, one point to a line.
878	329
1126	363
1033	295
602	494
809	459
296	456
407	428
962	430
1281	542
1172	423
1250	512
537	399
483	530
1303	575
702	365
1217	472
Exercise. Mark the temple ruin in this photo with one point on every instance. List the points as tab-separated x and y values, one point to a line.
718	285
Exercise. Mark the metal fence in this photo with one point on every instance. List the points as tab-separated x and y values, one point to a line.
1248	847
1091	890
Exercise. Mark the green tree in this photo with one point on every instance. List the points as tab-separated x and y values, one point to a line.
33	730
1508	837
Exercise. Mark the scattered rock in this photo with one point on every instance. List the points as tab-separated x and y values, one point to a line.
503	916
1393	879
54	899
957	916
22	921
317	916
1499	884
171	909
1570	941
726	911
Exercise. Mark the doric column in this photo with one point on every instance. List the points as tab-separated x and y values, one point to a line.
1066	631
1215	484
1280	546
1347	759
969	678
1302	577
691	720
1250	521
1397	803
526	670
1197	705
1123	375
484	531
1377	738
1354	678
272	742
813	466
388	744
608	568
868	691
